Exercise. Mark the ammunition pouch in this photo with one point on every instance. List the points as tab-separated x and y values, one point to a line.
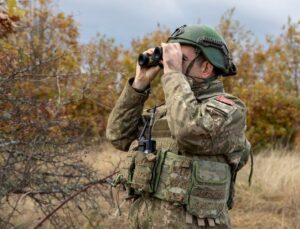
208	189
172	177
141	178
200	185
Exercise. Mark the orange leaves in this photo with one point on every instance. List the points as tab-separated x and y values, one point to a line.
53	79
272	114
267	81
8	19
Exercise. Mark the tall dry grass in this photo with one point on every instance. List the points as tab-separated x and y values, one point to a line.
272	201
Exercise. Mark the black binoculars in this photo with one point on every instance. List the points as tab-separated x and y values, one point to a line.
146	60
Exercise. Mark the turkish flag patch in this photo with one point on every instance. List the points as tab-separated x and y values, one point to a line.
223	99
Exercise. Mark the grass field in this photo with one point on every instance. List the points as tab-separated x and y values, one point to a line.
272	201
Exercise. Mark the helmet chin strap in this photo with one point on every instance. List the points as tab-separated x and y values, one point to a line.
205	81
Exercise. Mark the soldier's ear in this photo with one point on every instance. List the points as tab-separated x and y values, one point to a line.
206	69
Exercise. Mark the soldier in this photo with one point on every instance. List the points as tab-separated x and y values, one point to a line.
188	182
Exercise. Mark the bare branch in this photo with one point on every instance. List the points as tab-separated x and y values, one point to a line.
73	196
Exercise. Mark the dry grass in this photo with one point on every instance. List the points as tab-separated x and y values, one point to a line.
105	159
273	200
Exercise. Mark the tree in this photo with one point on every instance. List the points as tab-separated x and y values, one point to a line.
291	47
39	155
99	85
56	95
242	46
266	81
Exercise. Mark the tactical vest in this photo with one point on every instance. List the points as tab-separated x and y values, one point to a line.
201	183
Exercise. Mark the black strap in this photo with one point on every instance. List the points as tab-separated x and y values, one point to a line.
205	81
251	169
191	64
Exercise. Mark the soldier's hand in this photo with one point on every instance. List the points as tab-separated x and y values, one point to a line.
172	57
144	76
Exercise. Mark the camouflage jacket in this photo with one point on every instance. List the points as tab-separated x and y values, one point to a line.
204	122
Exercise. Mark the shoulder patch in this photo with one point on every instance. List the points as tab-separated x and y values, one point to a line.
223	99
221	106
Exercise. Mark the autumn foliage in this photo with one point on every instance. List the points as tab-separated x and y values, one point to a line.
56	91
70	88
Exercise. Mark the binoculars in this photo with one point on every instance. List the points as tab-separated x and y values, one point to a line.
146	60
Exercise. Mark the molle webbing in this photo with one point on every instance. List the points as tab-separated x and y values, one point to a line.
173	177
161	129
203	186
167	144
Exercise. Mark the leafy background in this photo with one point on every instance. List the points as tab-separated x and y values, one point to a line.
57	93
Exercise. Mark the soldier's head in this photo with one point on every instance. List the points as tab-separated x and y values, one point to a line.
205	53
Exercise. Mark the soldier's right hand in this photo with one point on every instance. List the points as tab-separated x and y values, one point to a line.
145	75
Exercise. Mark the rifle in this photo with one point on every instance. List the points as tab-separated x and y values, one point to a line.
146	144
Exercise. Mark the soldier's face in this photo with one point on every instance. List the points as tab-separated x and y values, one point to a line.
201	69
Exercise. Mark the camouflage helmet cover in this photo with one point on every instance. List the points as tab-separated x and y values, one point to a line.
211	44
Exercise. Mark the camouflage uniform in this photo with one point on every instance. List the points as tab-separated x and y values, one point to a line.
200	122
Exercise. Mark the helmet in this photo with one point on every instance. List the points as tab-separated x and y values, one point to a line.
211	44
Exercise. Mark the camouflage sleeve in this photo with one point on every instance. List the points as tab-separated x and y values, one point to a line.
124	120
207	128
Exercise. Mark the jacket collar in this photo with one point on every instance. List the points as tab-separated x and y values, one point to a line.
211	89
